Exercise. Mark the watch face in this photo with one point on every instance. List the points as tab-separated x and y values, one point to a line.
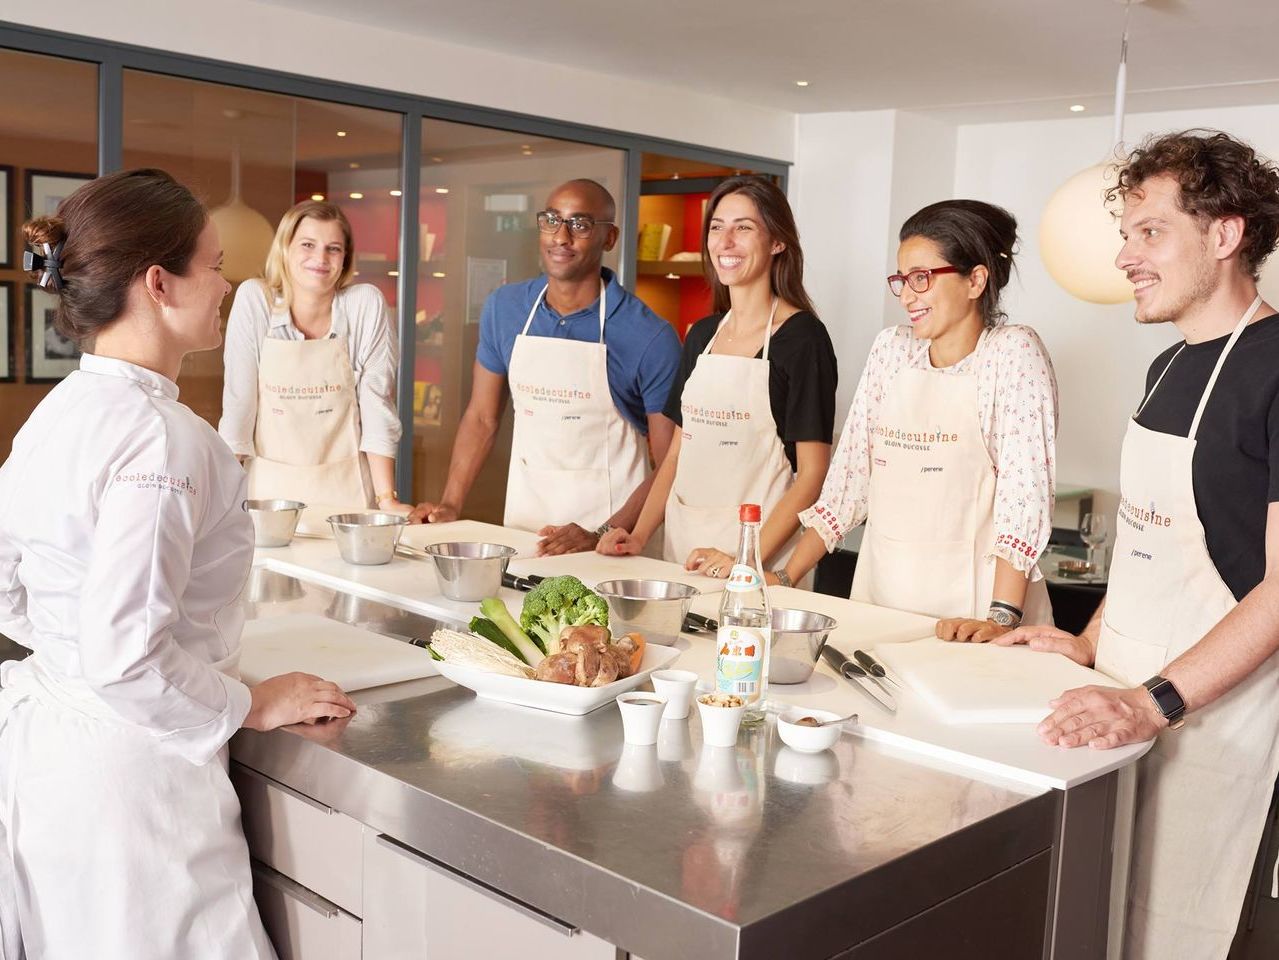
1166	697
1001	617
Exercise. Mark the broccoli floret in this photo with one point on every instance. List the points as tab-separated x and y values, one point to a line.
559	602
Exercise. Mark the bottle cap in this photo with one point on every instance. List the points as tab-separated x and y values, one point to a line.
749	513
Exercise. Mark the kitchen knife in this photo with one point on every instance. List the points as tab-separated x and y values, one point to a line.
875	669
695	622
853	672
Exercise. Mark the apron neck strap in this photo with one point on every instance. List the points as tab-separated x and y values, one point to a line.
1221	360
542	296
768	331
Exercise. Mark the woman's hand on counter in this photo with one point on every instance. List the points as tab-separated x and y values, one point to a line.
710	562
433	513
295	698
966	630
1048	639
620	543
1102	718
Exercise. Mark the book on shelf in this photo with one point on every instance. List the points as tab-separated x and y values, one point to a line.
653	239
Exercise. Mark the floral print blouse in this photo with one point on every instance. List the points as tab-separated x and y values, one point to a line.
1017	398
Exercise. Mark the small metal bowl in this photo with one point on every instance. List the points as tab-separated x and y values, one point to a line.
274	521
798	639
470	571
655	608
367	538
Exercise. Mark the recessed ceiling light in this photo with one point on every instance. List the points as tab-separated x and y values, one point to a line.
527	152
441	189
438	274
674	176
397	193
357	196
801	83
437	159
353	165
317	196
392	273
1077	108
341	133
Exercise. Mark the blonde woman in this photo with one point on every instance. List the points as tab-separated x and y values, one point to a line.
309	397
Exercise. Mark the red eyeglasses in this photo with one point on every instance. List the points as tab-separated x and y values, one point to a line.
919	280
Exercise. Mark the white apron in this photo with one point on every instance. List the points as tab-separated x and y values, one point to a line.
574	457
1203	791
931	506
307	438
729	454
114	846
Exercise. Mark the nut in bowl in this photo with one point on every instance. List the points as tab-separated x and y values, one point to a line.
721	715
804	736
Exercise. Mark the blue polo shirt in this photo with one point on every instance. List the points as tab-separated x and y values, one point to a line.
643	349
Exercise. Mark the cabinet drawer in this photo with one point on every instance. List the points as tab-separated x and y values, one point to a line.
418	907
302	838
301	924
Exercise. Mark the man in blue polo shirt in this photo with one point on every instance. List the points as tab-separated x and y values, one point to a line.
588	367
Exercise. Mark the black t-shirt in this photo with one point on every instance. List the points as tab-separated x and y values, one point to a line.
802	377
1235	470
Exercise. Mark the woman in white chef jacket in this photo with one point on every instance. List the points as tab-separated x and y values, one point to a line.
308	401
754	396
123	547
948	452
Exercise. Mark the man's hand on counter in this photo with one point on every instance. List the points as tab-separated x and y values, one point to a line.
569	538
1102	718
427	512
1048	639
965	630
295	698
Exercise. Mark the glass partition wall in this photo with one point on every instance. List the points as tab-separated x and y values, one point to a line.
253	142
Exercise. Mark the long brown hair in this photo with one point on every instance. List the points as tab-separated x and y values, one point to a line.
786	276
113	229
276	274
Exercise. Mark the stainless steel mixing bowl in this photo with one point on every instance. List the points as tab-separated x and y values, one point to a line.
367	538
470	571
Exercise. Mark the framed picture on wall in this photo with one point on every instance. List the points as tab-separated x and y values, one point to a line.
46	189
50	355
8	333
6	218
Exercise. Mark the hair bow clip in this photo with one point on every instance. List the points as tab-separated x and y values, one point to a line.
49	263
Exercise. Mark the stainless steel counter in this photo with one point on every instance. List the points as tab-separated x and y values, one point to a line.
673	850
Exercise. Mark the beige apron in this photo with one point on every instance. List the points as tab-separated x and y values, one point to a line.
931	507
574	457
729	454
307	438
1202	791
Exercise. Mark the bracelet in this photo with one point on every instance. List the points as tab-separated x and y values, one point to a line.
603	528
1001	614
783	578
1015	611
388	495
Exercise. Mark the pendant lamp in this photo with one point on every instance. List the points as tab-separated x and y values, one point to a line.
245	234
1078	235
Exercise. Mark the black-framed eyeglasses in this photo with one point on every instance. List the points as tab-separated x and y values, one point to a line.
919	280
579	224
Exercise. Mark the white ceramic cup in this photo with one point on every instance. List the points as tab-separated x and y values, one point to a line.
641	716
678	687
638	770
719	724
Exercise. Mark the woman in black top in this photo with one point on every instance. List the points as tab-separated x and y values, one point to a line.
754	396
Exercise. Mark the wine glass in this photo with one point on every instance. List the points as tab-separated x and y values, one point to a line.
1092	528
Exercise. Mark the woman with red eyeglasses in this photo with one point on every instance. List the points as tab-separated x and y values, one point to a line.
948	452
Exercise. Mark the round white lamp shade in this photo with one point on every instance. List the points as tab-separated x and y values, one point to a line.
1079	239
246	238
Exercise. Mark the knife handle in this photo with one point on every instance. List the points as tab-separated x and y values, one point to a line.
869	663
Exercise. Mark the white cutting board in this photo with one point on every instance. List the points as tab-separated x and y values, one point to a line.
983	683
421	535
592	568
353	658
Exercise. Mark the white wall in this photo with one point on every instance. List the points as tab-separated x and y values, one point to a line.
257	34
1100	353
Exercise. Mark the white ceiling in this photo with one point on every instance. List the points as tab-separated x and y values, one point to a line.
970	60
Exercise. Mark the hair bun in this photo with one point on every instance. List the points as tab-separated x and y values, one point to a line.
50	230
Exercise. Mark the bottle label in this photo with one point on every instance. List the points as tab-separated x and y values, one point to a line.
739	663
743	578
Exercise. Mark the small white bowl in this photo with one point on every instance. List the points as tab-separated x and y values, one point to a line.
641	716
719	724
678	687
808	739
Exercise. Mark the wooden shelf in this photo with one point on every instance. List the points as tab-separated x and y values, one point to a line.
660	268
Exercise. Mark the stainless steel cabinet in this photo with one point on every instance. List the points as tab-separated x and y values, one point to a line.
301	924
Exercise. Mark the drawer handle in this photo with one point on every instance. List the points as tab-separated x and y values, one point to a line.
295	794
295	890
546	919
